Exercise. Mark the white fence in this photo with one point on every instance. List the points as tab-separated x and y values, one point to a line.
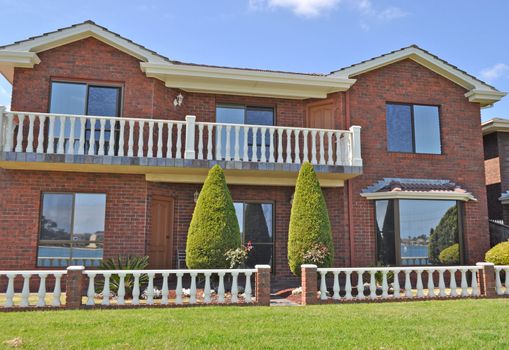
502	289
400	282
46	133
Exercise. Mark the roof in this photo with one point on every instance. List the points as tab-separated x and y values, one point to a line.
402	188
248	81
495	125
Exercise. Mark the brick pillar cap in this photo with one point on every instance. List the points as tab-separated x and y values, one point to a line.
309	266
265	267
485	264
75	268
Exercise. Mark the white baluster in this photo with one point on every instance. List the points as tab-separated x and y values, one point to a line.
506	281
178	291
41	294
464	283
51	137
237	143
338	148
8	133
313	147
289	146
150	145
25	292
336	286
70	142
441	283
329	148
297	147
200	141
234	290
247	289
245	157
9	295
271	145
136	289
431	285
219	130
210	129
130	141
91	141
19	139
111	141
348	286
206	290
323	285
91	289
159	140
141	137
385	285
164	291
420	289
81	142
360	285
61	136
254	151
150	288
322	148
57	291
263	155
106	289
121	289
372	284
30	139
408	285
40	136
452	284
280	145
227	150
192	298
220	289
169	141
100	151
498	282
475	287
395	285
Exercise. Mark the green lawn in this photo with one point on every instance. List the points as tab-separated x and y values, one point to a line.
458	324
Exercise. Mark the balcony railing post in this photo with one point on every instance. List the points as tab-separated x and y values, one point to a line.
2	128
190	131
356	159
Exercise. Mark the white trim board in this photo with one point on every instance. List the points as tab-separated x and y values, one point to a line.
457	196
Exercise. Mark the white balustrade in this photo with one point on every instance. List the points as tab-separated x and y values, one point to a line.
24	278
501	273
418	282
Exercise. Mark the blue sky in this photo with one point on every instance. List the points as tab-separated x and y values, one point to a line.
295	35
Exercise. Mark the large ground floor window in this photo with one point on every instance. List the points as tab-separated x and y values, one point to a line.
71	229
418	232
256	226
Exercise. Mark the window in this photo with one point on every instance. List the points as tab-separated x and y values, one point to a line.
415	232
83	99
234	114
256	226
413	128
71	229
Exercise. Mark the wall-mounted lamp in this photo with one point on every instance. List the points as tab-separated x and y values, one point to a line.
178	100
291	199
196	195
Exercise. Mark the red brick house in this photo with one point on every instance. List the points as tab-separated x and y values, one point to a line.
108	143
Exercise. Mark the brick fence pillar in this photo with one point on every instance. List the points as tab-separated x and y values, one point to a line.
262	282
486	280
309	284
74	287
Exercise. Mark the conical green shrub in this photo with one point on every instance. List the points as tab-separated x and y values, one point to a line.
309	220
214	228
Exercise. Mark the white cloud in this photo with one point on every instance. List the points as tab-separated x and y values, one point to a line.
369	13
496	71
303	8
391	13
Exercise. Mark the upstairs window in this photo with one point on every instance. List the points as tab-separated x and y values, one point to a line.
413	128
84	99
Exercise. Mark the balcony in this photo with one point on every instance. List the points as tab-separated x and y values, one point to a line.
176	150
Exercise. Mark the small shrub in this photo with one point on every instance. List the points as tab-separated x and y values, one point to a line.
123	263
499	254
238	257
214	228
317	254
450	255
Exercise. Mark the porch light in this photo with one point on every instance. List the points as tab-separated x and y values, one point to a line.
196	195
178	100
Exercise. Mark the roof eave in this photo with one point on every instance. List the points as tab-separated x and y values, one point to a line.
442	195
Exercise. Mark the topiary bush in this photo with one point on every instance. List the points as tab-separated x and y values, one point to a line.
450	255
499	254
309	221
214	228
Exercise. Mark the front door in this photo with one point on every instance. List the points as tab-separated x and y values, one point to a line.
160	249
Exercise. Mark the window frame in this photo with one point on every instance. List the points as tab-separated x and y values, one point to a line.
412	123
397	231
273	203
246	107
71	233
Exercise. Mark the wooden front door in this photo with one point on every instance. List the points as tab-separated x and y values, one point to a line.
160	248
321	115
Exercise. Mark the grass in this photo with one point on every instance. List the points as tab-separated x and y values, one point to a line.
452	324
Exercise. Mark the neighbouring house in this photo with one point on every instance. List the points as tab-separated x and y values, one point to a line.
108	144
